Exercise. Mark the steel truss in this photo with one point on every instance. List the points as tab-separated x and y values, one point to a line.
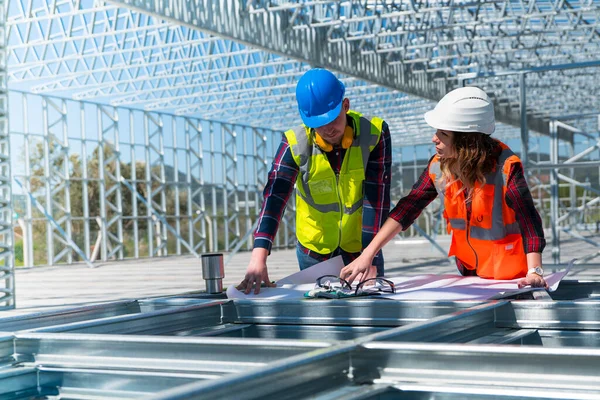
203	347
57	167
420	48
205	178
95	50
138	60
7	279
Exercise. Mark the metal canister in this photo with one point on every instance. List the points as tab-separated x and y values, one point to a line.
213	272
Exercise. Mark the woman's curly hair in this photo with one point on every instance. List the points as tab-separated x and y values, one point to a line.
475	156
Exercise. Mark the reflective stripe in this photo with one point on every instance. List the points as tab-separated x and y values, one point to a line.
324	208
492	234
458	223
435	168
300	149
304	184
505	155
364	140
497	209
354	207
302	154
512	229
302	157
374	139
477	232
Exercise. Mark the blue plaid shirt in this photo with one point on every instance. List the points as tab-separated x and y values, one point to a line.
376	202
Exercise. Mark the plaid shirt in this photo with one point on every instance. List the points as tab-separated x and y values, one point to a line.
518	197
376	201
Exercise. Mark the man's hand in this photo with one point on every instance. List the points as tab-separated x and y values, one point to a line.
533	280
256	273
359	269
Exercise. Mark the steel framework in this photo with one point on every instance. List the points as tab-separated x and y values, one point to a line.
7	299
95	50
209	84
205	178
197	346
421	48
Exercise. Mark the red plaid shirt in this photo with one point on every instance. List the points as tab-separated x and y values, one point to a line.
518	197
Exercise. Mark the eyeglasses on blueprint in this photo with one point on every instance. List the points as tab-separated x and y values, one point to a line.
367	287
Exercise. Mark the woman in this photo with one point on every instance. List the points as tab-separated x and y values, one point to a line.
496	230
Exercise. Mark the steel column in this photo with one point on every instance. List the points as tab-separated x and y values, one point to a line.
554	205
196	207
7	260
110	188
155	174
524	129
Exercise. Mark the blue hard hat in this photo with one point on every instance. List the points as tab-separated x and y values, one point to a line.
320	95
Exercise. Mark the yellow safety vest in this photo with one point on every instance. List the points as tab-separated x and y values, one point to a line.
329	206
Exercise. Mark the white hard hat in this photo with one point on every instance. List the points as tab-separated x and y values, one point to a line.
466	109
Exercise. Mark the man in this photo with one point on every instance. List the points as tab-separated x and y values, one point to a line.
340	162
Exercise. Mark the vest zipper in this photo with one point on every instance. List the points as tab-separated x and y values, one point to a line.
337	183
468	242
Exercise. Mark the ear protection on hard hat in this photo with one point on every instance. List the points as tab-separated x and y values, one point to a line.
347	140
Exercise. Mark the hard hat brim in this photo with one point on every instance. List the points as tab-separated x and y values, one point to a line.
317	121
435	121
432	120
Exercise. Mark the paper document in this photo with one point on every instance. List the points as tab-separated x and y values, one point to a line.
421	287
332	266
295	285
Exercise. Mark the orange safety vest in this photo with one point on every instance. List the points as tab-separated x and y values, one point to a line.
490	241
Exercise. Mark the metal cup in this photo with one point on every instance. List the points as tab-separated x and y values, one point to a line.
213	272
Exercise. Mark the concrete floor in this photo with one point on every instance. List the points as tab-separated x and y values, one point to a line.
42	287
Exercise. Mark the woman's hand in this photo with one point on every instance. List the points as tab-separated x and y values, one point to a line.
533	280
359	269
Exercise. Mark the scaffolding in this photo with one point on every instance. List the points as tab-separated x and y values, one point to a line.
205	178
7	285
185	103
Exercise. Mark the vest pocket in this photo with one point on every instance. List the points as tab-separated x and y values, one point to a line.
322	190
509	259
482	205
352	187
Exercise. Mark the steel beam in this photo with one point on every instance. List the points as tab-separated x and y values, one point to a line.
554	206
166	354
565	372
338	312
7	260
